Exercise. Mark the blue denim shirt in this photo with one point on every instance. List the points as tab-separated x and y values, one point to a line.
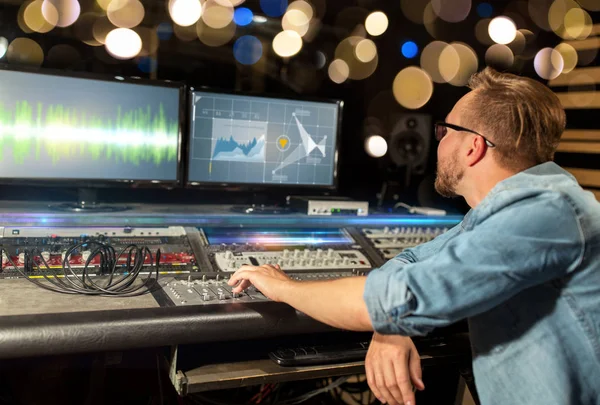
524	268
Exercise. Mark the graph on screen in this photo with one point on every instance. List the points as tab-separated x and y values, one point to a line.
244	139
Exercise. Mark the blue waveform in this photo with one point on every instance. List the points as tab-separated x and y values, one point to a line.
224	145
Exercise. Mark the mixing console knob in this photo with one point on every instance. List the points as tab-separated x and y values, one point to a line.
204	277
231	263
22	257
306	253
311	262
4	259
286	253
330	252
229	255
386	229
236	295
337	262
217	278
221	296
205	297
296	254
302	263
46	256
345	261
396	230
85	255
319	252
325	262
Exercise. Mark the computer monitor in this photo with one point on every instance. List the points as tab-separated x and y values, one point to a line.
86	131
255	141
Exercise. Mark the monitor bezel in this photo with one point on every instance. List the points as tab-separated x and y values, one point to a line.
242	186
107	183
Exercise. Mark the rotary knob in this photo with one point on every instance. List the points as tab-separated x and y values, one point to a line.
229	255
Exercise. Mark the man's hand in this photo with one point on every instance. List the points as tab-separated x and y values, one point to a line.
269	280
391	364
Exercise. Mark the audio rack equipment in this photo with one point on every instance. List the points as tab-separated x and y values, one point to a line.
390	242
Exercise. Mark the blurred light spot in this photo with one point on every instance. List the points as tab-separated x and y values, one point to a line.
592	5
338	71
187	33
25	51
499	56
125	13
21	17
123	43
287	43
164	31
260	19
36	20
376	146
517	46
63	56
101	27
548	63
485	10
103	4
578	24
538	12
409	49
346	51
569	55
321	60
83	28
530	44
459	65
3	46
214	37
295	20
502	30
273	8
412	87
68	11
430	20
149	40
482	31
376	23
413	10
147	64
242	16
451	10
557	13
305	8
365	50
185	12
216	15
247	50
430	58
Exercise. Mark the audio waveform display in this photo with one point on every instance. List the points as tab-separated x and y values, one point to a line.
230	149
134	136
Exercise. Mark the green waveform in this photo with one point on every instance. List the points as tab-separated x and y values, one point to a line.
27	131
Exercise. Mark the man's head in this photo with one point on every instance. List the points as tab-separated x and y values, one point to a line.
520	117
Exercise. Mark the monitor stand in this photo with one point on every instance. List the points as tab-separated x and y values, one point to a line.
87	202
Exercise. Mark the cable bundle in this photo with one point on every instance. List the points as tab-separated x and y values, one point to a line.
83	283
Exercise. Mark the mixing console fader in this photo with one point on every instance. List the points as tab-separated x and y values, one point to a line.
295	250
53	243
390	242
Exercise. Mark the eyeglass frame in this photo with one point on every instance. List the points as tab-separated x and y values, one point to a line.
459	129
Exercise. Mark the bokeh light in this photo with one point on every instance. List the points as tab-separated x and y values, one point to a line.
123	43
68	11
185	12
409	49
125	13
3	46
548	63
412	87
215	37
482	32
346	51
188	33
247	50
35	19
485	10
376	146
451	10
376	23
287	43
149	39
338	71
216	15
84	28
242	16
101	27
502	30
499	56
366	50
103	4
458	62
569	55
320	59
295	20
413	10
577	24
274	8
517	46
25	51
430	58
556	15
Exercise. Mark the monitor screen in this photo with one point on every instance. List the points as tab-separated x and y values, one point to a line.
67	128
261	140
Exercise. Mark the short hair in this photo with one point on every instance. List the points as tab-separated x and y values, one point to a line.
521	116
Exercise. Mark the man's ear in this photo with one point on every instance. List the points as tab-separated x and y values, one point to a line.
477	150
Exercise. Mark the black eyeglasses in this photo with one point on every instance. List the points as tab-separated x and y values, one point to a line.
441	129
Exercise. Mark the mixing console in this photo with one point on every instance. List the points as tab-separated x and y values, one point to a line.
389	242
53	243
299	250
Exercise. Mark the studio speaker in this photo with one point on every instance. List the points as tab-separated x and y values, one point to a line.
409	142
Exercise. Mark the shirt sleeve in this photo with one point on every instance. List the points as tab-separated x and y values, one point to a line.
525	244
426	250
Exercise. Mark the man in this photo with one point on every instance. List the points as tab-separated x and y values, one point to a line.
523	266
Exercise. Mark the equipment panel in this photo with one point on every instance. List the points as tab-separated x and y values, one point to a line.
390	242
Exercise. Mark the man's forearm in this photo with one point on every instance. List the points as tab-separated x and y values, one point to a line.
338	303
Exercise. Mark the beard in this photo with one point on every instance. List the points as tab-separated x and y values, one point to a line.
449	174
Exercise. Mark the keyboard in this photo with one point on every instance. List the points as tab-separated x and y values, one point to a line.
320	354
